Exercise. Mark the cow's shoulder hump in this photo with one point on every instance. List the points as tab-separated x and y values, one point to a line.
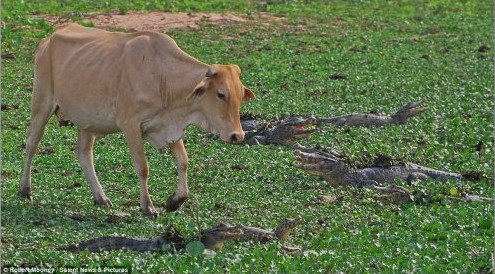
75	33
157	41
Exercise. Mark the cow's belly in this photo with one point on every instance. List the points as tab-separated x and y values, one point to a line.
94	118
87	94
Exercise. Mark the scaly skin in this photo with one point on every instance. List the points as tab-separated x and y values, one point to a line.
284	229
215	237
293	128
399	195
367	120
212	238
112	243
332	167
171	236
281	233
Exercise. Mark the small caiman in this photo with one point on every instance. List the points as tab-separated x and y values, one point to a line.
333	167
401	116
293	128
212	238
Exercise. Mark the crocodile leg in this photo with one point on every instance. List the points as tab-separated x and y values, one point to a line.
256	140
416	177
399	195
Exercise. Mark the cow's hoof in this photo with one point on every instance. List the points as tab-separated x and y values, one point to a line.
149	211
173	203
103	202
26	193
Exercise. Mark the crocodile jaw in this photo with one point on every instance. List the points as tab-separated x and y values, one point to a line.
304	128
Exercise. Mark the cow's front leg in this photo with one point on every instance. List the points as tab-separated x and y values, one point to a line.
182	192
133	137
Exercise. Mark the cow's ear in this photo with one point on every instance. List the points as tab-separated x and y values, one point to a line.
199	91
248	95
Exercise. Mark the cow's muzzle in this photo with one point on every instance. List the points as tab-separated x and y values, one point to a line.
234	137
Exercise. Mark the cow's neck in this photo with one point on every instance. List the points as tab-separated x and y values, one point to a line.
169	126
177	111
182	80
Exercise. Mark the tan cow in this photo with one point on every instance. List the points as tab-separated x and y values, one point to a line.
141	84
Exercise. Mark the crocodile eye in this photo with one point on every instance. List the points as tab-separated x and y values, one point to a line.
221	96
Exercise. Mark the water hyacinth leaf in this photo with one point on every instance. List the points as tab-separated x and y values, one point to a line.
195	248
453	191
485	223
191	225
166	247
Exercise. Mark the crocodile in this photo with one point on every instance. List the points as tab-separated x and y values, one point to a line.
333	167
212	238
215	237
281	233
296	127
401	116
287	131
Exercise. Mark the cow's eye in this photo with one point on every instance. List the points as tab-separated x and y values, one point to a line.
221	96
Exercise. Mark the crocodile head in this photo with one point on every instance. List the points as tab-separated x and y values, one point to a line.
285	228
250	125
328	164
215	237
291	129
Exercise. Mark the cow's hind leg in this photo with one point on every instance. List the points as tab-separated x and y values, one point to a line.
84	151
182	192
133	135
42	107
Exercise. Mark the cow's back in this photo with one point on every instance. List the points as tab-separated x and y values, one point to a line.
84	67
79	52
87	70
98	75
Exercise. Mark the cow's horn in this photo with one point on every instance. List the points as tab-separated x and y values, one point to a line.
212	70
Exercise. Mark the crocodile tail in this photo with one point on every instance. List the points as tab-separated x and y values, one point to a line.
111	243
444	175
70	248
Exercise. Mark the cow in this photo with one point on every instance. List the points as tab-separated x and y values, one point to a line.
141	84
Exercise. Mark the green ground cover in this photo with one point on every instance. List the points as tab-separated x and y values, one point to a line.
392	52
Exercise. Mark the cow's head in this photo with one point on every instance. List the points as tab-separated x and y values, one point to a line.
219	97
